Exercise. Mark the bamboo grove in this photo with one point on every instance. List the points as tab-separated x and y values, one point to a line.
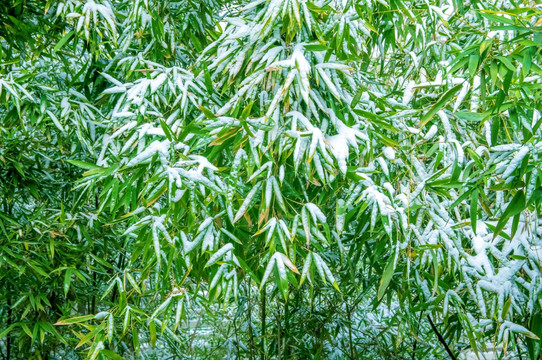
270	179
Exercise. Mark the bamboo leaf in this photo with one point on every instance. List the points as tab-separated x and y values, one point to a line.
386	278
75	320
445	99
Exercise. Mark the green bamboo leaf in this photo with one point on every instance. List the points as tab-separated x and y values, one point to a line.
306	268
268	271
246	203
217	255
497	18
152	331
208	113
281	277
248	270
231	236
516	206
126	321
377	120
63	41
356	98
470	116
133	282
167	130
445	99
55	121
75	320
67	281
316	47
473	64
111	355
4	333
386	277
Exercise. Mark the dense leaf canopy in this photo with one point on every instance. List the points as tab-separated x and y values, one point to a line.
284	179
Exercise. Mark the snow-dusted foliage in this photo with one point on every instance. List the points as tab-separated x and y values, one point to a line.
379	155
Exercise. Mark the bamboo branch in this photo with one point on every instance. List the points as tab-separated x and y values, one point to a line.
441	339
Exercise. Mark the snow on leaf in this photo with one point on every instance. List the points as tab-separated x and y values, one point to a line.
245	205
217	255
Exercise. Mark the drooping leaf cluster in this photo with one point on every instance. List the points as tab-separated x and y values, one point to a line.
345	179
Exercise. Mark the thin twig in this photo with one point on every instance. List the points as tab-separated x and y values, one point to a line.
195	330
441	339
417	335
517	347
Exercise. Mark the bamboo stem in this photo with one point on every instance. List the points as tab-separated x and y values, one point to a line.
263	324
